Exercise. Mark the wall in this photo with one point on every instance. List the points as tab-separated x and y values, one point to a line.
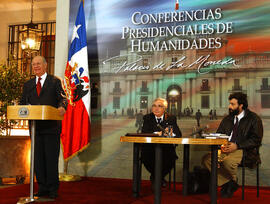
21	14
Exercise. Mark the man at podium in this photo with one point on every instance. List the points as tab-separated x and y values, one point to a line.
159	122
45	89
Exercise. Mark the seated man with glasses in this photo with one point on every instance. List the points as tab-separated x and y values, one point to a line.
154	122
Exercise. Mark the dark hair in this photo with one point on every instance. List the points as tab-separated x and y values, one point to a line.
241	99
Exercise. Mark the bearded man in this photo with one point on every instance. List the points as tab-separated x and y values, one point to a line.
246	131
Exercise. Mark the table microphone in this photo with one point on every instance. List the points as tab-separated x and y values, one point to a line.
199	131
162	129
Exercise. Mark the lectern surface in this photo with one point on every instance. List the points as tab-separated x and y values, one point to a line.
33	112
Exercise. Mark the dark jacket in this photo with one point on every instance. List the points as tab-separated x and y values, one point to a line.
168	150
150	124
249	137
51	94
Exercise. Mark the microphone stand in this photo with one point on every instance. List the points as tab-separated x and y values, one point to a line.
162	130
199	132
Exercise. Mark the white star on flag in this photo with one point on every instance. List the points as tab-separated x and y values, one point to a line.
75	33
73	80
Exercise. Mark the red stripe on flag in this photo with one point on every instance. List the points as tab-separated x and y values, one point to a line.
76	128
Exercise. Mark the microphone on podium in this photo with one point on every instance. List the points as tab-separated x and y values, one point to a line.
162	129
199	131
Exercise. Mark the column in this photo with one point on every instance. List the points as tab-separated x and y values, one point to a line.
104	93
155	88
224	91
187	98
128	94
138	96
220	92
196	99
190	92
61	40
160	88
194	95
254	98
217	93
157	91
133	91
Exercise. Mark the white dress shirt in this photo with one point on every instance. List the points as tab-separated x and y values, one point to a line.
160	118
240	116
43	78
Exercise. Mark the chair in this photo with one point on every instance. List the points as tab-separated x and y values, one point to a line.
242	165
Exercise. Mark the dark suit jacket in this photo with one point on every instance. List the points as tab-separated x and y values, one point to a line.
51	94
150	124
168	150
249	137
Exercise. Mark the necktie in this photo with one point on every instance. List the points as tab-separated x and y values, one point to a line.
38	86
234	134
158	120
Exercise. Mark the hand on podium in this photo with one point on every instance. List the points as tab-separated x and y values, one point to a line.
61	111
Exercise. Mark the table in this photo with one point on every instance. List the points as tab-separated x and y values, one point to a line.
137	140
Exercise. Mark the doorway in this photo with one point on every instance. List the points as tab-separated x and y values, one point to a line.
174	98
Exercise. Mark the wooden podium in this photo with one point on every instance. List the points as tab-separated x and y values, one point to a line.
33	113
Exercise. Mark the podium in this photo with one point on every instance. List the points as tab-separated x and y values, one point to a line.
33	113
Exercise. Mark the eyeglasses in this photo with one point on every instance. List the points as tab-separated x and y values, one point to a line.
157	106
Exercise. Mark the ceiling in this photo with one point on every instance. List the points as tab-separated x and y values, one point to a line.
12	5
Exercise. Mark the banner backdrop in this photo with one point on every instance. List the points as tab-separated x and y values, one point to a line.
194	57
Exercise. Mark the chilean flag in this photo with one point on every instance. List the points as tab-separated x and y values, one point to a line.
75	134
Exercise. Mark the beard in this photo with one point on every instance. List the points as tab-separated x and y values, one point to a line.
234	112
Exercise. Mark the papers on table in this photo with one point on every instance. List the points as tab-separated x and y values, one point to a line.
215	136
